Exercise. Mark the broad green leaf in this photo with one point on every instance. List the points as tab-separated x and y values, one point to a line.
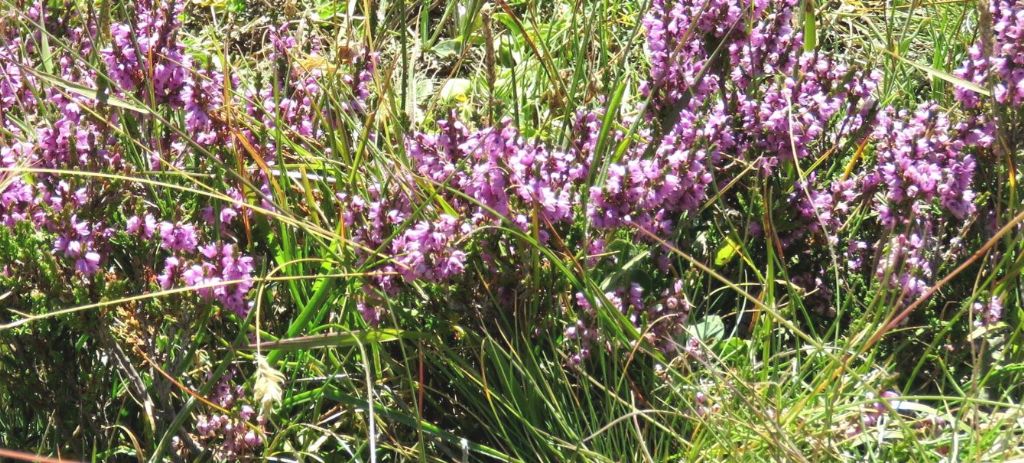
727	252
709	330
447	48
456	89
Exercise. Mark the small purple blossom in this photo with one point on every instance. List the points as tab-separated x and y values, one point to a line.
922	161
155	34
143	227
178	236
988	313
425	251
235	435
1003	68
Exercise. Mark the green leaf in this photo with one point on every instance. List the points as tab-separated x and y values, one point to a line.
727	252
732	347
607	282
327	10
609	115
447	48
334	393
709	330
456	89
507	57
44	51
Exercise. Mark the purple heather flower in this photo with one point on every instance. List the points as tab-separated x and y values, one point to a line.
359	80
143	227
921	161
653	193
989	312
230	438
1004	68
508	176
71	136
88	264
201	94
425	250
178	236
220	265
371	313
80	242
155	35
170	274
583	332
16	195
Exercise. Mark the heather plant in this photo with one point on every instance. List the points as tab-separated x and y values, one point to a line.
514	231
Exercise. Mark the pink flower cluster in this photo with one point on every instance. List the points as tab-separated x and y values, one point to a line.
502	174
148	65
998	63
230	436
732	91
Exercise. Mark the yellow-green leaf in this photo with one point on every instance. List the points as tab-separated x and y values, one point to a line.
727	252
455	89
